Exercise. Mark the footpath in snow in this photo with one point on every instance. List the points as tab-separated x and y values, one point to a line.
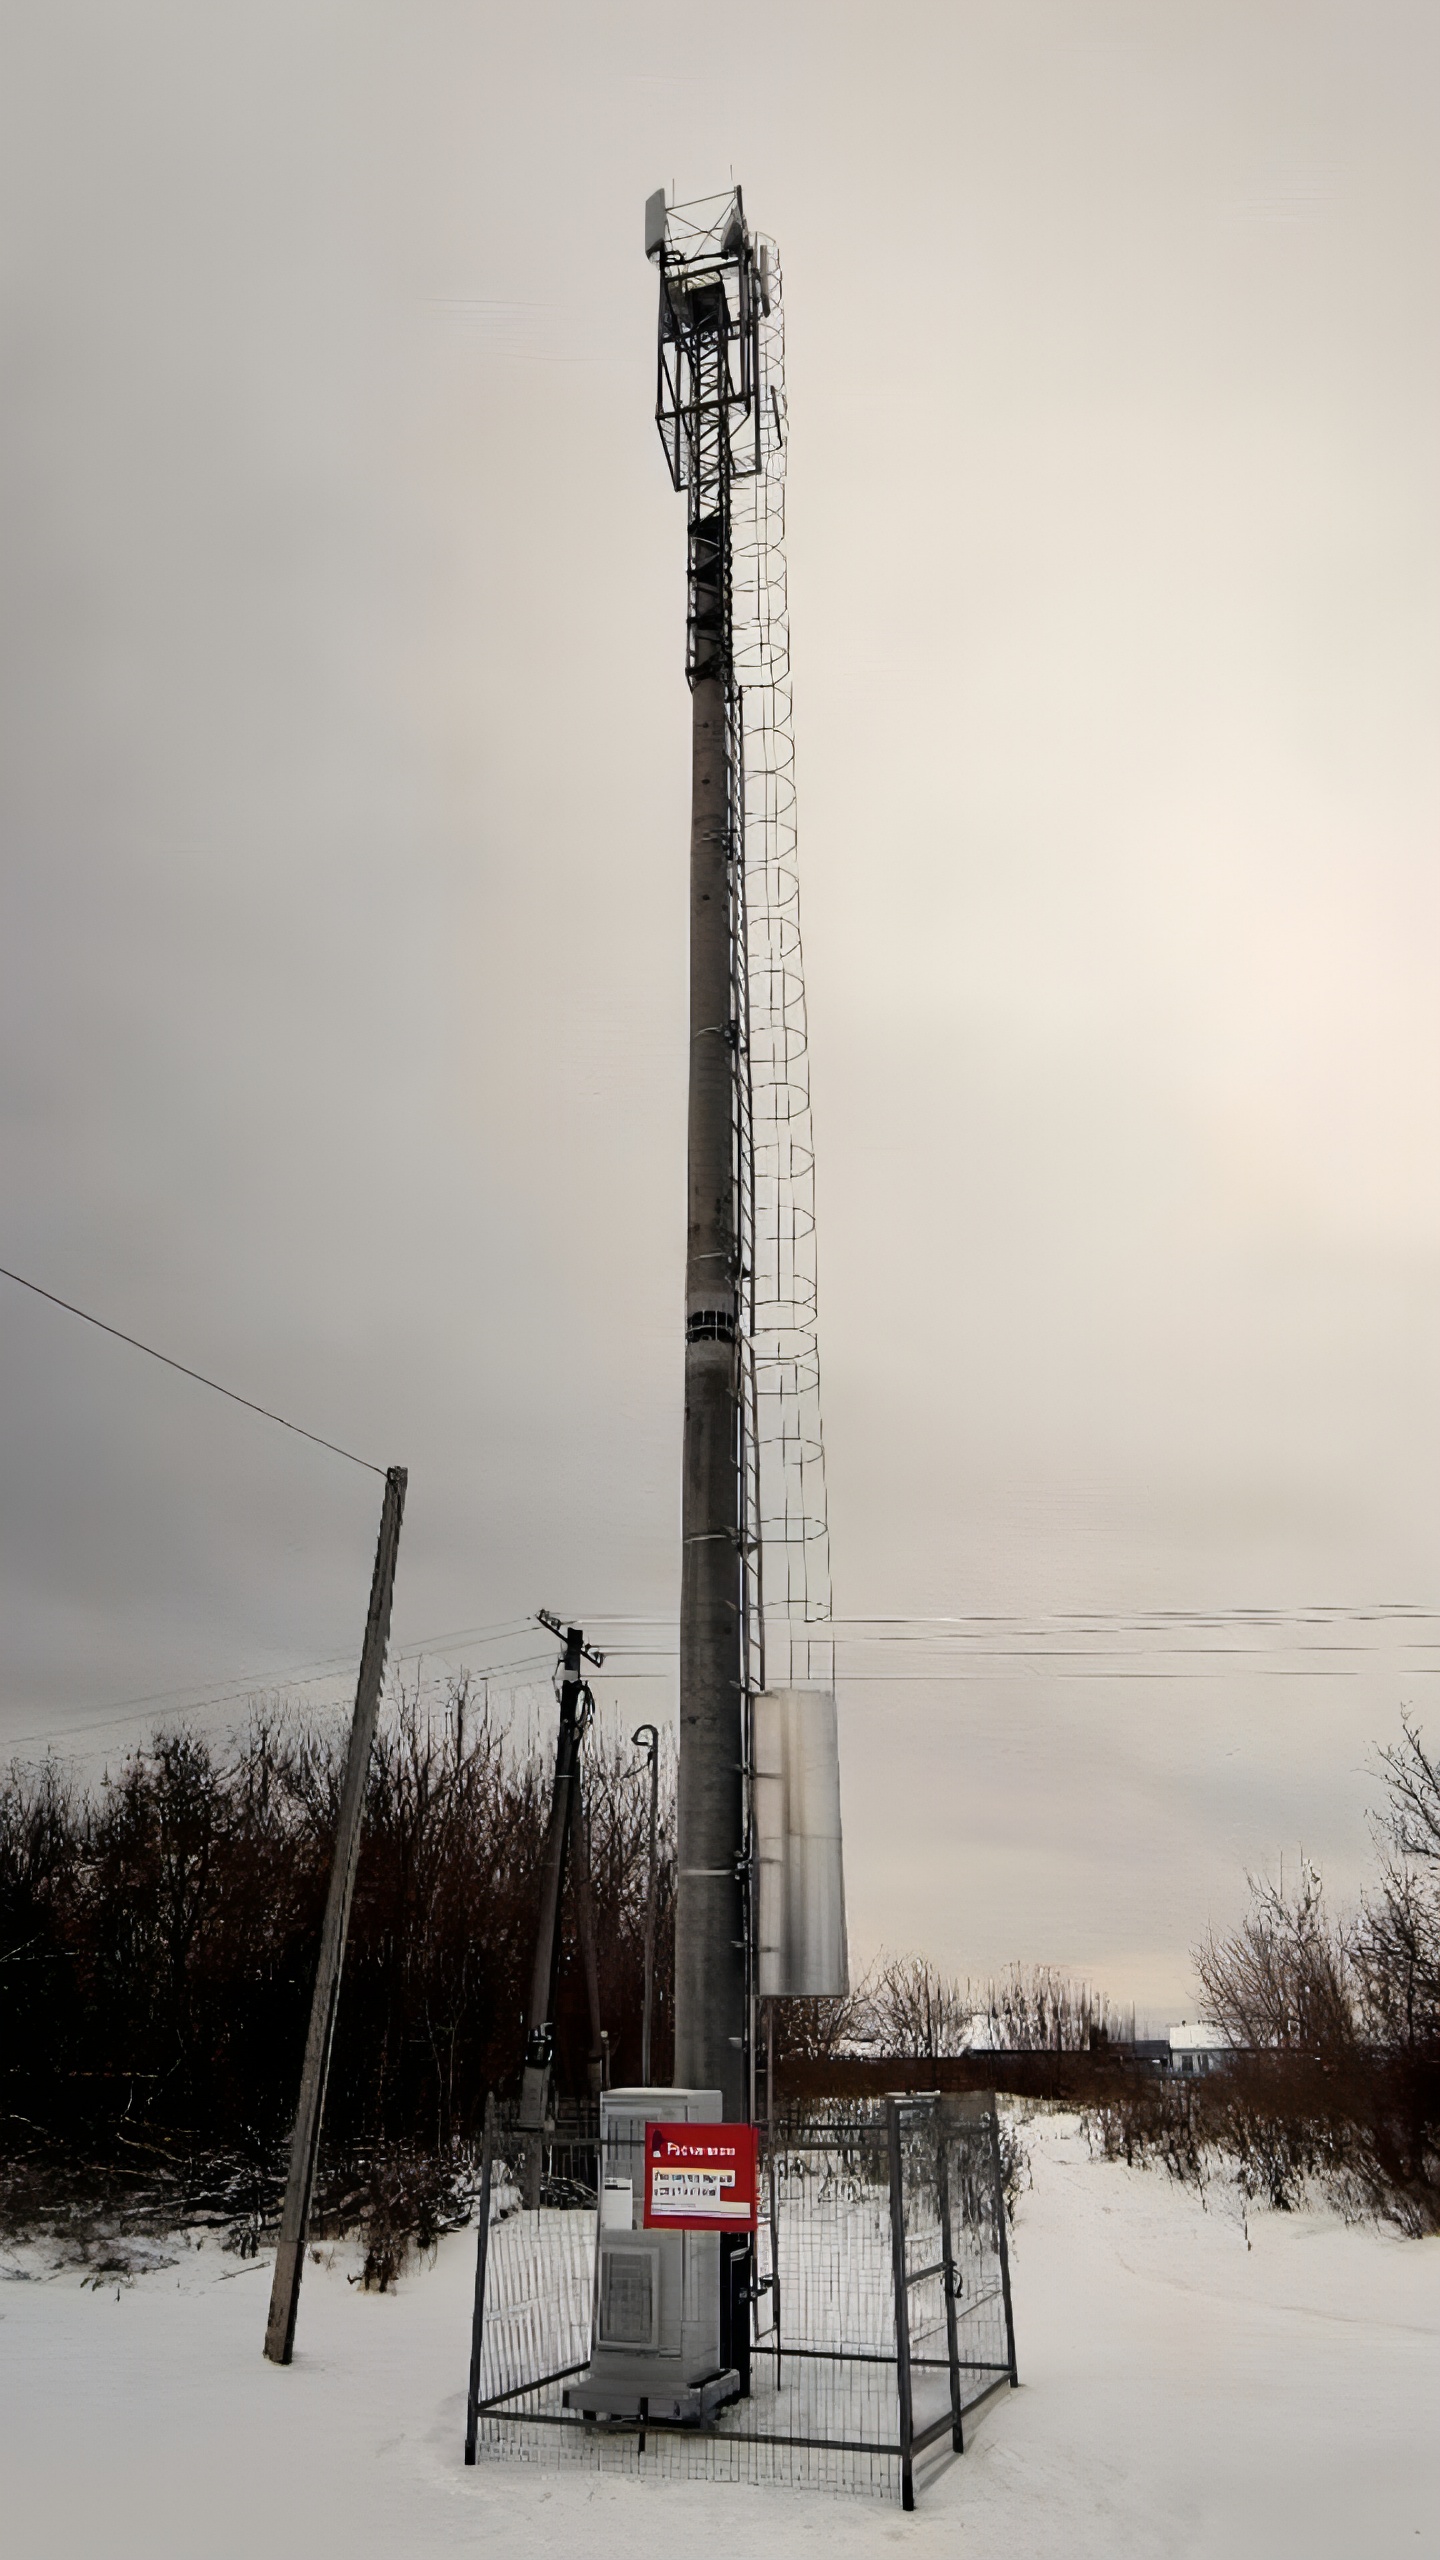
1182	2393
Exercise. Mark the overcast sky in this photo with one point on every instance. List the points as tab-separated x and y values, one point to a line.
344	855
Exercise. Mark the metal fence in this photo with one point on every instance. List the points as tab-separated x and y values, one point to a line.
880	2303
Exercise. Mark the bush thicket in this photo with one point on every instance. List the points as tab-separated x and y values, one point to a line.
158	1935
1332	2024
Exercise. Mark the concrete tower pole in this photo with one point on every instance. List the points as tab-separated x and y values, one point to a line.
710	1989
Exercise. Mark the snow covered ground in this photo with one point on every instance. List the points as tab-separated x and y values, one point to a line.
1182	2393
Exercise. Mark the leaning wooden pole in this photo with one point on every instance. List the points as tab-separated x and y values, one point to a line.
305	2142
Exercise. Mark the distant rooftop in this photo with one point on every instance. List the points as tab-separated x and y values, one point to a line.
1193	2036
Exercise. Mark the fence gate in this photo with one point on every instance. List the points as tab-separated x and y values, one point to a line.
954	2325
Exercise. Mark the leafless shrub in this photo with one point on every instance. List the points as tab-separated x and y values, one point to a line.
1149	2118
1284	1981
411	2196
1034	2008
815	2030
1332	2079
914	2011
911	2010
1015	2175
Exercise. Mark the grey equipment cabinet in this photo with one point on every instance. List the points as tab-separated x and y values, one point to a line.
655	2346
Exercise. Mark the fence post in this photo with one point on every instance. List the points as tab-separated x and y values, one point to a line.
305	2142
774	2250
1001	2239
482	2254
947	2265
902	2305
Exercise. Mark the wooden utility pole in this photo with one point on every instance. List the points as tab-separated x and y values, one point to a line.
599	2066
305	2143
575	1709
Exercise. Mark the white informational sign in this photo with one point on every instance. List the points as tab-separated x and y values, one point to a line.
686	2190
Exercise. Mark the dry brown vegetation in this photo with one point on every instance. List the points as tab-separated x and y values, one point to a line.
906	2010
157	1951
1333	2080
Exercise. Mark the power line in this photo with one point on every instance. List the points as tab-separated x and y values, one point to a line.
524	1672
973	1638
203	1697
197	1374
978	1623
191	1699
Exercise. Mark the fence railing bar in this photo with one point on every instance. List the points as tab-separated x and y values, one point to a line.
831	2355
542	2382
966	2310
865	2355
1000	2383
938	2427
614	2428
919	2274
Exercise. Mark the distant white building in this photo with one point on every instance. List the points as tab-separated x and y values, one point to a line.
1195	2048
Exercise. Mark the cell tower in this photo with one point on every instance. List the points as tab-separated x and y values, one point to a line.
755	1582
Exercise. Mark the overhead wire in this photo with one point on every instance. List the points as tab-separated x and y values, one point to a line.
265	1411
204	1698
1073	1663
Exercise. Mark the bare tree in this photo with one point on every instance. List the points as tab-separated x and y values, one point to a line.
1033	2009
815	2030
917	2011
1396	1939
1285	1979
1411	1819
1395	1950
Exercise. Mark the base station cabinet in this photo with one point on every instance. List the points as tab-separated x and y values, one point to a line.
655	2349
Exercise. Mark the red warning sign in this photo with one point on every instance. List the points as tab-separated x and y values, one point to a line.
700	2177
